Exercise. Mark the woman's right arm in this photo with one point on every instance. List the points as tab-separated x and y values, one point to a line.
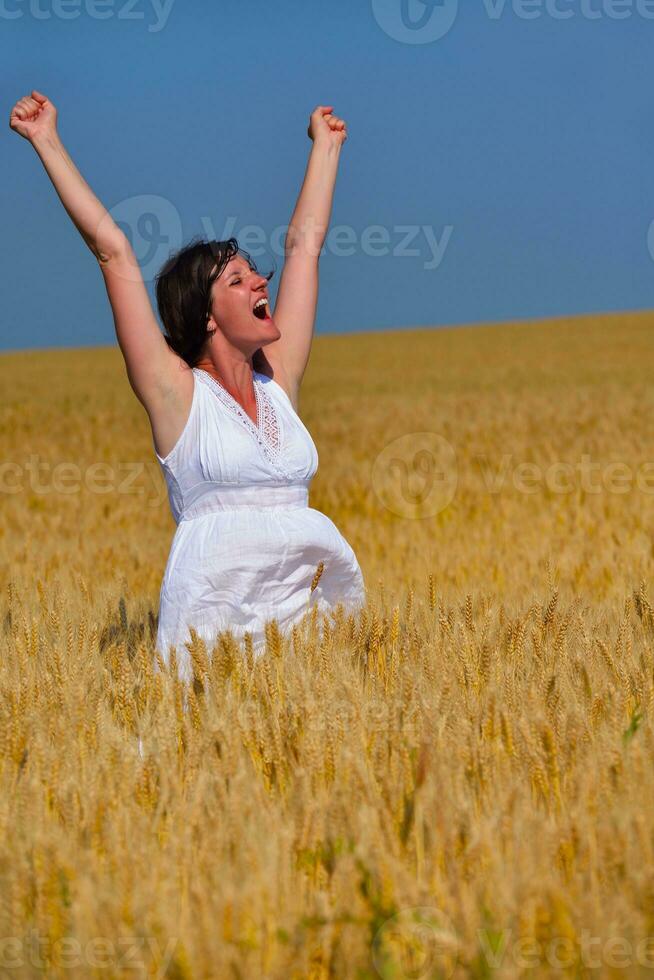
157	375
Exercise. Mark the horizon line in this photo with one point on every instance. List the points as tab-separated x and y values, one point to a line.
472	325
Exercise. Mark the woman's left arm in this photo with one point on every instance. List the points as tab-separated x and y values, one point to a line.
297	298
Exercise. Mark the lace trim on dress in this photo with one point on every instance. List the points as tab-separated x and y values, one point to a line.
267	431
266	415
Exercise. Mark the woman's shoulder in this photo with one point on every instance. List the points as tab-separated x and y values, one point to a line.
275	378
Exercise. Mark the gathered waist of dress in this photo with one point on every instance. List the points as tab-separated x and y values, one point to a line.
209	498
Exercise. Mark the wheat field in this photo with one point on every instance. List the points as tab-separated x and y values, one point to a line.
459	782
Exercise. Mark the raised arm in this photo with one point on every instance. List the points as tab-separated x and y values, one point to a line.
297	298
154	370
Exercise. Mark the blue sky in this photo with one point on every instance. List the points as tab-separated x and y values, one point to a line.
498	166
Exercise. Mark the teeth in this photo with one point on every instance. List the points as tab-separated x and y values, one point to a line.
263	301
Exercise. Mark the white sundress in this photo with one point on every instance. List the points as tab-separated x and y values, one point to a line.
247	544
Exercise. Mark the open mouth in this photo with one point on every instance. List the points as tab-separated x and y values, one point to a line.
260	309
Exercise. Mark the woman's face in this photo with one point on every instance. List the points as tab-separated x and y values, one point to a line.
234	295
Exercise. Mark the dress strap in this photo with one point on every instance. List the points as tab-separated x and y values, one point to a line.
268	432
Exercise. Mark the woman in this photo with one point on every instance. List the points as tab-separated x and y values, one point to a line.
235	455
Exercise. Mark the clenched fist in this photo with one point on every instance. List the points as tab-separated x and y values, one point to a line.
33	116
326	128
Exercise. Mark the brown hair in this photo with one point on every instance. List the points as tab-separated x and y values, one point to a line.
183	290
